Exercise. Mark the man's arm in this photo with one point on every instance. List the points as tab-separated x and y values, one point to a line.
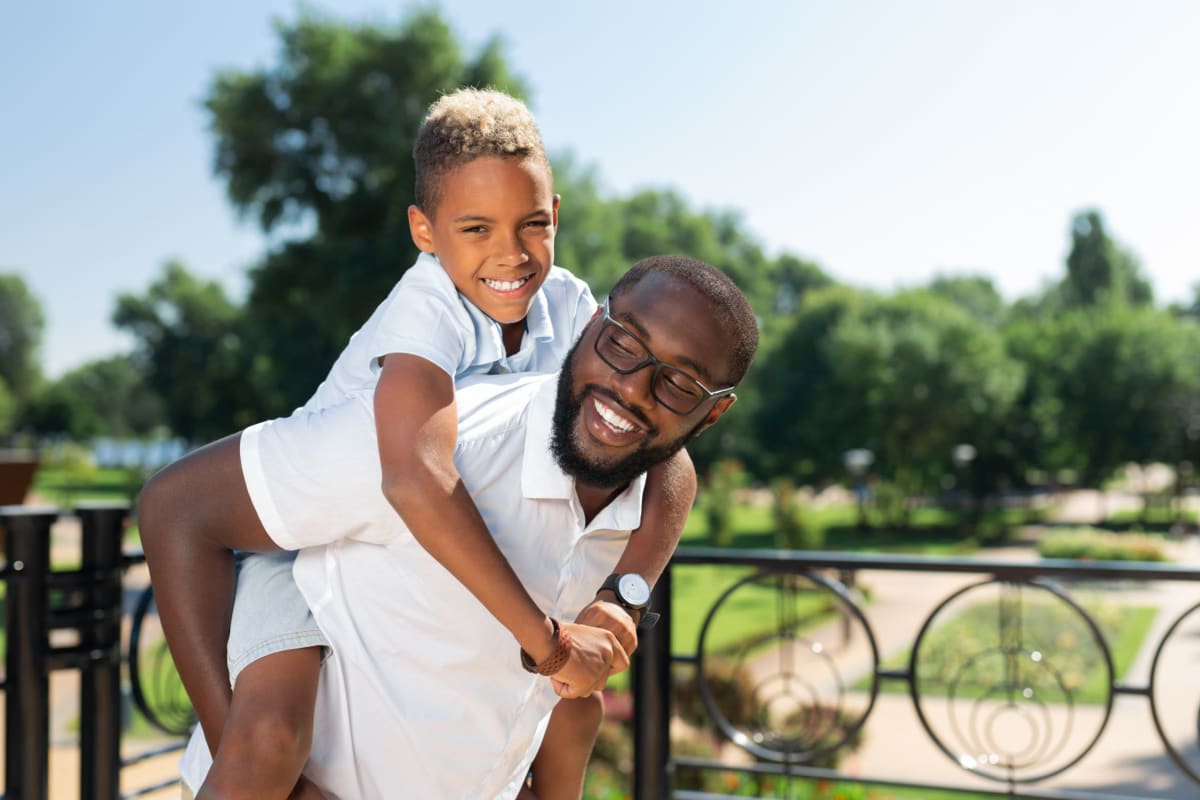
191	515
670	492
417	428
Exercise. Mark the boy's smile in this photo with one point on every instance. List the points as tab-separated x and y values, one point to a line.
493	232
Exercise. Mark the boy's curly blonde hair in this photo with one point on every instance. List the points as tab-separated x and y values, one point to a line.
468	124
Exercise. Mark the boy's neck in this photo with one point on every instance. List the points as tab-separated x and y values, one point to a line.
512	333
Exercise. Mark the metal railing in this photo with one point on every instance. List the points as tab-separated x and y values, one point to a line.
68	620
1010	674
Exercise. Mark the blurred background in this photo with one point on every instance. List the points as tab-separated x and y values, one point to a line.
967	229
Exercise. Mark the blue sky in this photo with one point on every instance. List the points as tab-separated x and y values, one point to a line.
886	141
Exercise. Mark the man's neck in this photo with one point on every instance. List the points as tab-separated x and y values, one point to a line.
593	499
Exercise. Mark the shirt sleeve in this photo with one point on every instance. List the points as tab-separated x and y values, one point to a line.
314	478
427	323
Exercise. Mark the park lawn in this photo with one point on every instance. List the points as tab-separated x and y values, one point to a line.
754	528
1124	629
65	488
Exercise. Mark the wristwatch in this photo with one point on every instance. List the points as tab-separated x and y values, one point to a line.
632	593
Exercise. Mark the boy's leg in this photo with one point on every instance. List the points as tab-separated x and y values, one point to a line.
268	733
561	763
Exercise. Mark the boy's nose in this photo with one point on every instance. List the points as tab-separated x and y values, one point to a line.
510	252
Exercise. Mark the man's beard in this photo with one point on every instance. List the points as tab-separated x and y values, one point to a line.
566	449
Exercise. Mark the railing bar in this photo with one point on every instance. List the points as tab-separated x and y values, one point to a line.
796	559
1134	691
154	787
819	773
174	747
893	674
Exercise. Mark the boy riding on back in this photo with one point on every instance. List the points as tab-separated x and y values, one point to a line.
482	298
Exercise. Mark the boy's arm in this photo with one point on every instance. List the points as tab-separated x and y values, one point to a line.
417	427
670	492
191	516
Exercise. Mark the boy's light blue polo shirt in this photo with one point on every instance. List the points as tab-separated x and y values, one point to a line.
424	315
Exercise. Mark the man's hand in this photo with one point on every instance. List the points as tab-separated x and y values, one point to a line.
305	790
611	617
595	654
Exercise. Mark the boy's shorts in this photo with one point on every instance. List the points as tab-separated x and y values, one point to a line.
269	613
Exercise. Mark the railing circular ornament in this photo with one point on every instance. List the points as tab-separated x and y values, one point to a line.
997	676
1173	669
157	690
778	687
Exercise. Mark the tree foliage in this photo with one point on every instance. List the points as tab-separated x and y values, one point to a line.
1100	271
21	326
108	397
319	145
191	350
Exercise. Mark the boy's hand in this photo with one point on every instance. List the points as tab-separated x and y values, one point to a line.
613	618
595	654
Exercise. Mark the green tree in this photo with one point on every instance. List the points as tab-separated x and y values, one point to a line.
191	349
907	376
1099	270
108	397
974	294
8	410
21	326
1109	386
321	142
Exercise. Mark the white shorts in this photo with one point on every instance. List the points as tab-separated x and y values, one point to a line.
269	613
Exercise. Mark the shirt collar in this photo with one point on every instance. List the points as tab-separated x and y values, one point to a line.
543	479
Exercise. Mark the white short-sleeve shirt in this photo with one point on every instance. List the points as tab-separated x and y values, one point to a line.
423	693
424	315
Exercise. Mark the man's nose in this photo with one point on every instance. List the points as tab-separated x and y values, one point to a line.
637	388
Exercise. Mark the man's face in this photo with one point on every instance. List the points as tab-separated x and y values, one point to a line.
608	427
493	232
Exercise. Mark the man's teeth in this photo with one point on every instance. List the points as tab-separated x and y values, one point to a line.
506	286
611	417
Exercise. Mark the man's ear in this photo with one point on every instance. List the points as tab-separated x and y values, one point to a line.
421	229
717	411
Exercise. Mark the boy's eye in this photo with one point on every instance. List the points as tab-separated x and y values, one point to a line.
538	223
474	229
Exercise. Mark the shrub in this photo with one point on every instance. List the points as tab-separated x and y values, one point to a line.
724	479
1096	545
795	527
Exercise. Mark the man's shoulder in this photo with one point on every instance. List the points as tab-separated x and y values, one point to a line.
493	405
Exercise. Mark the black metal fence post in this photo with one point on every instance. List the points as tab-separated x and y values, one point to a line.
27	701
100	639
652	700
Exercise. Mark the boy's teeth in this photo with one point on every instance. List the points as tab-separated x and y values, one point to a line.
609	416
505	286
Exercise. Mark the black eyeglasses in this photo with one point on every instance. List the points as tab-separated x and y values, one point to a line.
622	350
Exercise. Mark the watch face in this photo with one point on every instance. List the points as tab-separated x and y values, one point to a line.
633	589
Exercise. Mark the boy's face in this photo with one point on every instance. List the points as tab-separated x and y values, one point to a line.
493	232
609	427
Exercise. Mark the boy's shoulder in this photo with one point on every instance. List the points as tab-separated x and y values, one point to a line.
563	280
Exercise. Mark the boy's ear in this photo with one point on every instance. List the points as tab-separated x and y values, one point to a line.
421	229
554	213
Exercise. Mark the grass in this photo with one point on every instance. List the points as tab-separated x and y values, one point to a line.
63	487
934	531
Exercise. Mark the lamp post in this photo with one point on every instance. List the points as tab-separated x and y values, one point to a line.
962	455
857	462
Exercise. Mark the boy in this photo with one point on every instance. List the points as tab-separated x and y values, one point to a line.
483	297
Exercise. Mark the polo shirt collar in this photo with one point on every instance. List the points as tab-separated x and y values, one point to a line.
489	343
543	479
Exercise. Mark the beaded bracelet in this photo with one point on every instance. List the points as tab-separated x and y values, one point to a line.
558	657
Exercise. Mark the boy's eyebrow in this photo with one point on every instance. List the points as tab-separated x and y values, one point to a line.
541	212
684	361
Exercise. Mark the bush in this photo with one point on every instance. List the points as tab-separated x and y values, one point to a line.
1095	545
724	479
795	526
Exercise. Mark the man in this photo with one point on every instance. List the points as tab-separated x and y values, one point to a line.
424	694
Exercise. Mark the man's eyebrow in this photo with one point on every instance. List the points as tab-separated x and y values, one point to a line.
682	361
